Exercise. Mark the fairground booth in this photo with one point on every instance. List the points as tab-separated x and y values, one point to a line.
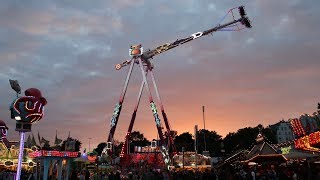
147	155
302	153
36	161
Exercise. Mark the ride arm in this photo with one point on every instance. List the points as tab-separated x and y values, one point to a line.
165	47
149	54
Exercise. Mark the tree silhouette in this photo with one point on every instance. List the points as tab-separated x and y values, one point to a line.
245	138
184	140
100	148
172	133
213	142
116	147
137	139
77	144
47	147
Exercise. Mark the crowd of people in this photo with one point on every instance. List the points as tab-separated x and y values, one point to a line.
266	172
298	171
153	174
228	172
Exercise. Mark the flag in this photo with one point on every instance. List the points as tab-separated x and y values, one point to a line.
57	141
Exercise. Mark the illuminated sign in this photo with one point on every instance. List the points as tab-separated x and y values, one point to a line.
53	154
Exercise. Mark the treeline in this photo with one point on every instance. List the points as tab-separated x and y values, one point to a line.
214	143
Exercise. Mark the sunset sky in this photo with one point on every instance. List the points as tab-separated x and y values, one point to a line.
68	49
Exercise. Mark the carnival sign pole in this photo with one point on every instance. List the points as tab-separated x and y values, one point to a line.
26	110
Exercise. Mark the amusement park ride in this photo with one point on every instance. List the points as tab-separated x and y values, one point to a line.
143	60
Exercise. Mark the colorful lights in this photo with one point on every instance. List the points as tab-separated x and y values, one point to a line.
285	150
92	158
155	113
135	50
307	142
27	109
314	138
297	127
124	144
305	129
8	163
115	115
44	153
22	135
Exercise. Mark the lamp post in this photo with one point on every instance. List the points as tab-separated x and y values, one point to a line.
195	144
222	149
25	110
204	128
183	157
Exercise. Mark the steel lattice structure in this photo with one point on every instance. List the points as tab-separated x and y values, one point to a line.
142	59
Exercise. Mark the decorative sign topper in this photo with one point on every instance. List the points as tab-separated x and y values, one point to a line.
29	108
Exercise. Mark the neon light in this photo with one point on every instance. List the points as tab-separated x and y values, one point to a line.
14	106
27	107
34	114
44	153
22	134
30	109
